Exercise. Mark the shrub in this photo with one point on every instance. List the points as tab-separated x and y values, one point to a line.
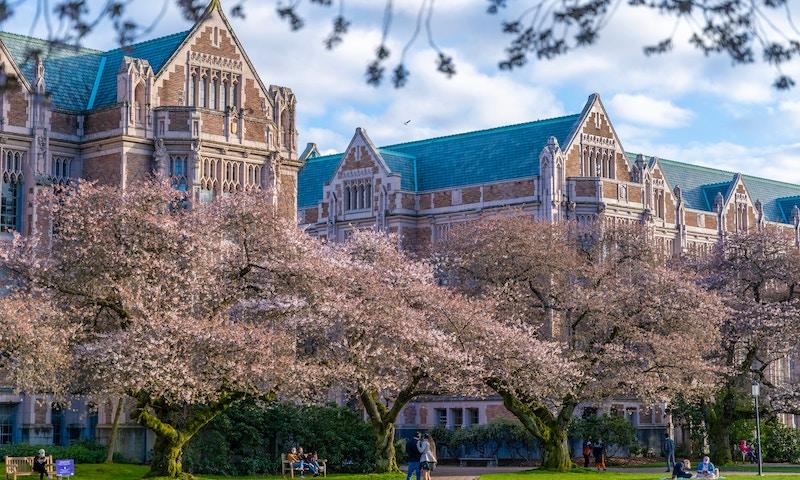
82	452
485	440
613	430
249	439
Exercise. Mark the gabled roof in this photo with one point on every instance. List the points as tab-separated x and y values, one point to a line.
82	79
700	186
483	156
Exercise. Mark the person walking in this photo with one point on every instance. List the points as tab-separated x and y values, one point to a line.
599	451
587	451
413	453
669	451
427	451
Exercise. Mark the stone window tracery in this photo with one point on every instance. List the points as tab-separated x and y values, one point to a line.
231	181
61	170
358	195
253	178
208	179
179	172
11	191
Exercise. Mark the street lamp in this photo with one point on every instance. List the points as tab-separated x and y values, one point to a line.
756	393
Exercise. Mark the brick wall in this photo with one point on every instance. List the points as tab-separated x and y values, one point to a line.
442	199
609	190
585	188
254	131
493	412
508	190
603	131
252	98
17	108
408	201
711	222
287	204
417	240
310	215
634	194
102	121
170	89
64	123
690	219
213	123
353	163
425	201
137	167
410	414
471	195
105	169
622	168
179	121
574	162
669	205
227	48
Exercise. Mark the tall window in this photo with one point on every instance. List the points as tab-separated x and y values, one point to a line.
358	195
192	89
179	172
203	98
61	169
212	95
140	108
235	99
225	96
7	420
11	193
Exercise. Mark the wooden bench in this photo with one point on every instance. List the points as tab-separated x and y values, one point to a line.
23	467
490	462
286	466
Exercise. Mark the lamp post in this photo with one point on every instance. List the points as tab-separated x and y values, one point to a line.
756	393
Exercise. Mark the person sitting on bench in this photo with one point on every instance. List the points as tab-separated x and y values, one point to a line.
40	464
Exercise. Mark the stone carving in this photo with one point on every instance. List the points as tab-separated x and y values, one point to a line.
160	155
215	61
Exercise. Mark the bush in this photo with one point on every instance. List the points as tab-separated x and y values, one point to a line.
613	430
779	443
249	439
485	440
83	452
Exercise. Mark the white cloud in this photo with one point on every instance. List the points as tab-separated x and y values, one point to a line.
644	110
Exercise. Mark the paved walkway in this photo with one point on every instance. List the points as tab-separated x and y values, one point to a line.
454	472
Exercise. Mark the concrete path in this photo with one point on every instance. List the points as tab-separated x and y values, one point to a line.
454	472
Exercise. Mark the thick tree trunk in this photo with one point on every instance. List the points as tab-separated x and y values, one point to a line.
555	451
167	453
112	438
385	455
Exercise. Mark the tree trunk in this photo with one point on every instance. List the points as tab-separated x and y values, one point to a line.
555	451
719	440
167	453
112	439
385	455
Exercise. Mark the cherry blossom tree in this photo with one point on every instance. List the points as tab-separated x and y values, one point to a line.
757	273
625	323
186	310
380	332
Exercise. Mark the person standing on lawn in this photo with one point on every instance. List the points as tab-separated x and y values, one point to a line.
599	451
413	453
669	451
587	451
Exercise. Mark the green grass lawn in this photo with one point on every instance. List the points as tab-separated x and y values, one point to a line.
136	472
588	474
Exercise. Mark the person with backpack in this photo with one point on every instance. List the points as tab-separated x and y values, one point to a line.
587	451
413	454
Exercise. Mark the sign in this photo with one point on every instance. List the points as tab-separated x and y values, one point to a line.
65	468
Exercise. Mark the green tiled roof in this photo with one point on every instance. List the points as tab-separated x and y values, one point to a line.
484	156
72	74
700	186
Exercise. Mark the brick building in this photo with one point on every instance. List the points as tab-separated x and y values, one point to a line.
189	106
572	167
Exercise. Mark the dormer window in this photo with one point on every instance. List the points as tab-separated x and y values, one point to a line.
358	195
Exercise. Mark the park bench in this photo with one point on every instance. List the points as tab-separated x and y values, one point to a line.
489	461
286	466
23	467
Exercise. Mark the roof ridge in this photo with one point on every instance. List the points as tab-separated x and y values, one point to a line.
486	130
396	153
185	32
330	156
719	170
51	42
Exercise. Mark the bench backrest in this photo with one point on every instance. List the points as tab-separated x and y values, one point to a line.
23	464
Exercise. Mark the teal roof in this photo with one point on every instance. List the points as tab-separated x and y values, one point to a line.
484	156
81	79
700	186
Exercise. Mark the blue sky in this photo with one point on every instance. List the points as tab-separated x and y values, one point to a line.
681	105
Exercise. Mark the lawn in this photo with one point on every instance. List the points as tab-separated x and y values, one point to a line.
136	472
588	474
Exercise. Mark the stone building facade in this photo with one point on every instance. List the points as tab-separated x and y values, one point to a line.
567	168
189	106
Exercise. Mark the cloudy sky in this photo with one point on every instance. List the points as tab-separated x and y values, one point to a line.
681	105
